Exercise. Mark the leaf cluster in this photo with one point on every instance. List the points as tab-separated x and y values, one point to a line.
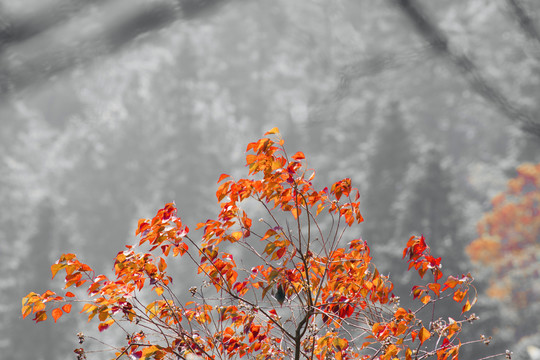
312	295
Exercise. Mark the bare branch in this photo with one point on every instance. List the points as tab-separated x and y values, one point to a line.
35	48
439	42
525	22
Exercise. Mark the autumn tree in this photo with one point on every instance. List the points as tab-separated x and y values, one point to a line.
508	248
313	293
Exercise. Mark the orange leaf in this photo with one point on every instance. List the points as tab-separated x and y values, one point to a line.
56	313
295	212
435	287
26	310
70	294
423	335
320	207
459	295
88	307
221	177
66	308
237	235
299	156
340	344
40	316
162	264
452	282
55	268
408	354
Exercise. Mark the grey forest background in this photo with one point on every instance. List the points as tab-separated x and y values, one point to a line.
111	108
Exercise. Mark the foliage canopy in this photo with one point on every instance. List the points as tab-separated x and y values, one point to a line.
312	294
508	239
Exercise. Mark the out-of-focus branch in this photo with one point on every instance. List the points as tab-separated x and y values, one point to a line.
377	64
525	22
38	48
41	17
479	83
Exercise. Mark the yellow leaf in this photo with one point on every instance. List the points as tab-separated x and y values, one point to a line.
466	307
273	131
340	344
55	268
237	235
26	310
408	354
88	308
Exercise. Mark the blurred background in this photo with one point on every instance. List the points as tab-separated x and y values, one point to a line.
111	108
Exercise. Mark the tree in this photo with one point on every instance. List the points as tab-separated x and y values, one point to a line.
306	297
508	246
388	165
429	209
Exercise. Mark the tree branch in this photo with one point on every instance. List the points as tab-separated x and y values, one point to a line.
439	42
35	48
525	22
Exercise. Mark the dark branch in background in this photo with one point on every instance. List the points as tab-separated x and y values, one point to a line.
525	22
37	47
14	29
440	44
376	64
